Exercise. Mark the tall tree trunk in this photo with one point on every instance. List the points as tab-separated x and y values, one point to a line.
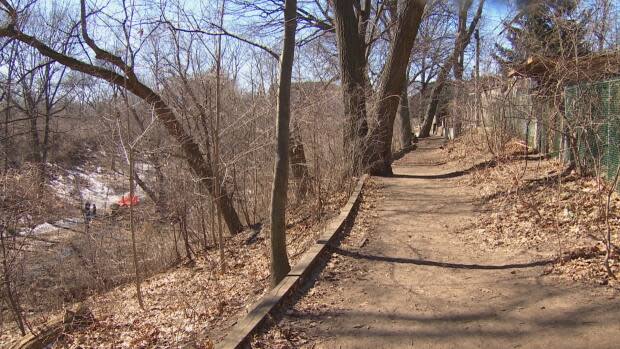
459	69
352	70
378	154
216	142
462	40
279	258
203	169
477	72
459	64
405	118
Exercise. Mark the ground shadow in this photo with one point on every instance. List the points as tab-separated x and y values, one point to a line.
480	166
415	261
401	153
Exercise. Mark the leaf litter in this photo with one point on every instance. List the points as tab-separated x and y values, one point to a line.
192	304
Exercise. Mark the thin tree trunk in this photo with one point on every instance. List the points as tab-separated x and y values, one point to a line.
477	71
134	251
34	132
149	192
279	258
46	140
158	198
184	231
203	226
176	245
8	96
49	96
7	119
404	116
459	69
216	145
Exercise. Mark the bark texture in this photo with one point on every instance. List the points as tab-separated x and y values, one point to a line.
352	60
405	119
279	258
378	154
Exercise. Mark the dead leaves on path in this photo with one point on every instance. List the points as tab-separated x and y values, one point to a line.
524	207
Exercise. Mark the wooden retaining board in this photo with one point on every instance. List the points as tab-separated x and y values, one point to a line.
242	330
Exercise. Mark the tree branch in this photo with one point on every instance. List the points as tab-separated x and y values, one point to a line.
223	32
99	52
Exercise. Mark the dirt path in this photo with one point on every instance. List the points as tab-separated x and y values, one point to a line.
413	283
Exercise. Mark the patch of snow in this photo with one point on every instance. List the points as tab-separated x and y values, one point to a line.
43	228
46	227
97	190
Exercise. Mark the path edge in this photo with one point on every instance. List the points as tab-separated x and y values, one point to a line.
245	327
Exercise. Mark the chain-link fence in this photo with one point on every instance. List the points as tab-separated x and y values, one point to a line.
593	113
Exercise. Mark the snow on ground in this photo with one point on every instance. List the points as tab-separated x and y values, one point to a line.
98	189
46	227
95	187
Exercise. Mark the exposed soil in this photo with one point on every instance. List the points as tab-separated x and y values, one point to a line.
417	271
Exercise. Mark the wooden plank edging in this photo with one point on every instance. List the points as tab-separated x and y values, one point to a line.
242	330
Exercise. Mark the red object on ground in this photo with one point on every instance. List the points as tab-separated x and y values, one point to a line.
125	201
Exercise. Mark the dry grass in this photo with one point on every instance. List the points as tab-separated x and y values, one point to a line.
190	303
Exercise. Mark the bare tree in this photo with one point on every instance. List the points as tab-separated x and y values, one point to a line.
128	79
462	40
216	133
378	152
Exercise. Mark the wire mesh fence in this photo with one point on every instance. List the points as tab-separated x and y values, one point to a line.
593	112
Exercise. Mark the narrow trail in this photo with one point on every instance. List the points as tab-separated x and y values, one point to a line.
414	283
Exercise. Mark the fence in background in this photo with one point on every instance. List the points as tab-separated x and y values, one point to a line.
593	111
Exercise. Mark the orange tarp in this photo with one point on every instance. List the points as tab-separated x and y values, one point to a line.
125	201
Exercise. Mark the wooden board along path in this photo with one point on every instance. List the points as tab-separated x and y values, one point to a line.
240	333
